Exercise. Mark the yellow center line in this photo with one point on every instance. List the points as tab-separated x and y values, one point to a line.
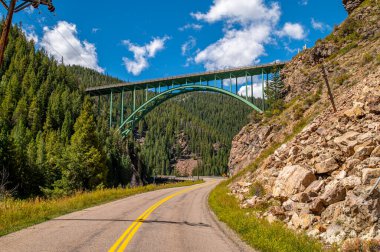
127	236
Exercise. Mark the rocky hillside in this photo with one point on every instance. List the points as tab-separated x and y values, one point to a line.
321	178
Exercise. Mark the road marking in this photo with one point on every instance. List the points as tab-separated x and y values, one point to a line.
123	241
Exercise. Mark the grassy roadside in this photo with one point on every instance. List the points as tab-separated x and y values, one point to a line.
19	214
258	233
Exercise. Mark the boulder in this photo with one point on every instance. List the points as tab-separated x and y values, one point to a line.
347	142
376	152
303	220
355	112
326	166
334	192
317	206
351	5
363	152
291	180
315	187
373	104
369	175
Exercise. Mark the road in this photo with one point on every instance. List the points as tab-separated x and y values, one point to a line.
176	219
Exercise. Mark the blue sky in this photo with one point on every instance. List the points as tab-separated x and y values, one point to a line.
145	39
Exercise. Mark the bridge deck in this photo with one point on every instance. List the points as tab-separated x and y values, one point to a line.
186	79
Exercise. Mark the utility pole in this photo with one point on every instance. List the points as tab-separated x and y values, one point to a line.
324	74
12	8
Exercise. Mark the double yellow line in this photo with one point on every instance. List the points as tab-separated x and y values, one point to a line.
127	236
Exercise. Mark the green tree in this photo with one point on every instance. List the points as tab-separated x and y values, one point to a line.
274	92
85	167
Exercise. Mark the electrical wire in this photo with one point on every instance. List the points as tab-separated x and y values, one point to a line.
52	47
67	40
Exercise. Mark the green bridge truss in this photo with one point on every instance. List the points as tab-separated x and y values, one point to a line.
160	90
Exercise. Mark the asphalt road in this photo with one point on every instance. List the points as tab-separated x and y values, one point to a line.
176	219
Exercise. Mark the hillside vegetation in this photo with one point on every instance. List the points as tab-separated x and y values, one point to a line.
55	141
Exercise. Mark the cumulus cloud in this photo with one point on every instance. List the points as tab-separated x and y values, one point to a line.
247	29
294	31
240	11
141	54
30	33
255	87
62	41
319	25
188	45
192	26
248	26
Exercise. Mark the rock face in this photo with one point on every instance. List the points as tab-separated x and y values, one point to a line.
320	181
291	180
351	5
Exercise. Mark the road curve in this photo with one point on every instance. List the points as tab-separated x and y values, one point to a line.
175	219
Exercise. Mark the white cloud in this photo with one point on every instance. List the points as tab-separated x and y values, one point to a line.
240	11
236	48
62	41
303	2
141	54
294	31
255	87
188	45
30	33
319	25
196	27
248	25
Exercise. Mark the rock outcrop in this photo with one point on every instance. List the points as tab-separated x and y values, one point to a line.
351	5
322	180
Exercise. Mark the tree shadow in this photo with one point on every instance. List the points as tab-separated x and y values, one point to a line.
200	224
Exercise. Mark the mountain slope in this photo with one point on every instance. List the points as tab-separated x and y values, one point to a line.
319	178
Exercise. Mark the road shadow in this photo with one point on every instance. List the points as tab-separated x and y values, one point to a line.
200	224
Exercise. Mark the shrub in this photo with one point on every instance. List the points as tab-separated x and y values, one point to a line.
341	79
378	59
257	189
367	58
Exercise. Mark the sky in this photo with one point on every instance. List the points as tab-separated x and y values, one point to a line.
137	40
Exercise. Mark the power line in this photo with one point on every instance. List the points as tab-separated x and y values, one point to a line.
52	47
70	43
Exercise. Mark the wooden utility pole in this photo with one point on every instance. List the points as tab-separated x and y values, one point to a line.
12	8
6	28
324	74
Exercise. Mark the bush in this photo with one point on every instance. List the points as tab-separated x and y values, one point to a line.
298	111
367	58
341	79
257	189
378	59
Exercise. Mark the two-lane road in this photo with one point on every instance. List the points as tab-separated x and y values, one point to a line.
176	219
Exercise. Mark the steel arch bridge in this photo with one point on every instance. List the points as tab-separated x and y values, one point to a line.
155	92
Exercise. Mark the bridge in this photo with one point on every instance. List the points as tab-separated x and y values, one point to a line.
157	91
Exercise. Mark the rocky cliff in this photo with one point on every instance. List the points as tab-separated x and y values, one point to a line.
321	178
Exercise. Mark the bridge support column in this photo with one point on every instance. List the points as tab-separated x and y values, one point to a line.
231	83
246	86
122	107
236	86
251	88
146	93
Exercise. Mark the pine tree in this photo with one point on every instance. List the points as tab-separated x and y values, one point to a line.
274	92
85	168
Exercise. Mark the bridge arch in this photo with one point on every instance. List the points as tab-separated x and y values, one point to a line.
127	125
